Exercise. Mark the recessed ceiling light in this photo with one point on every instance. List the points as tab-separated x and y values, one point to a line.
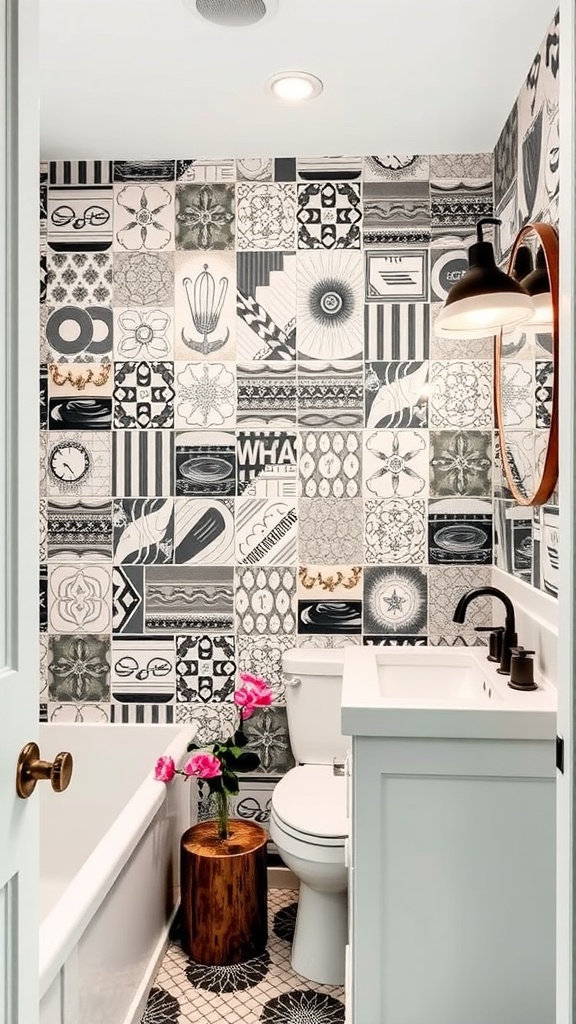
233	13
294	86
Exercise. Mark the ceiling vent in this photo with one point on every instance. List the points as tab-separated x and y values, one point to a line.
233	13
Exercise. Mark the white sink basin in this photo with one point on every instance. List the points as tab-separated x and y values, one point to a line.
439	691
401	676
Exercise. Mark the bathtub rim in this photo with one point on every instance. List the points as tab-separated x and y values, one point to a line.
64	925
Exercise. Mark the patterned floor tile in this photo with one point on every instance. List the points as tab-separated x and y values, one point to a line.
265	989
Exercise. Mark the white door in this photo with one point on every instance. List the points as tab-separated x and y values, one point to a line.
18	505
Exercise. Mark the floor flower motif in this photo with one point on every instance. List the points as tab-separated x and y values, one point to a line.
264	990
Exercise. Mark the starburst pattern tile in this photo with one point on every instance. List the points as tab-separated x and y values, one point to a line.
264	989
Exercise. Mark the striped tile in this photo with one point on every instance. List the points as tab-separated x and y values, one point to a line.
397	330
143	463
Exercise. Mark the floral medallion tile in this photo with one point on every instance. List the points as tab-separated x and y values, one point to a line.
206	668
79	668
143	531
517	393
395	600
447	585
460	462
205	312
266	463
461	394
79	598
266	305
143	217
396	463
266	531
329	215
395	531
262	656
145	333
397	394
144	279
204	531
330	464
330	395
210	722
73	334
266	215
205	395
330	531
267	734
267	394
265	601
330	305
143	395
79	278
205	216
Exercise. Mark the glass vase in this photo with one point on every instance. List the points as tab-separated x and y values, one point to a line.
222	810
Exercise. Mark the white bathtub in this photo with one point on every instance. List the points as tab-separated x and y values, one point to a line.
109	870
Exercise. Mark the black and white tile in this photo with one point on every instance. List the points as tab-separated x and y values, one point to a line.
265	603
143	395
330	305
265	216
396	331
267	394
396	463
79	598
461	394
396	394
205	216
189	599
142	463
205	306
128	599
205	395
204	531
460	531
262	655
397	275
78	668
266	531
395	531
263	989
143	670
395	600
79	529
76	333
266	306
330	531
266	463
330	464
330	395
396	213
144	279
79	218
78	278
143	217
460	463
143	531
206	668
329	215
205	463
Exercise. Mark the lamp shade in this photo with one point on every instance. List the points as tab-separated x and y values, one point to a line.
537	284
485	298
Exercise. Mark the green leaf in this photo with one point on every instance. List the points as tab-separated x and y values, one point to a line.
247	762
192	746
240	740
215	785
230	783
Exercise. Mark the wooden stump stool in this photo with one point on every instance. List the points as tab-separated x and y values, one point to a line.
224	886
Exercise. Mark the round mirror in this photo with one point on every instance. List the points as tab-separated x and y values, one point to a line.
526	368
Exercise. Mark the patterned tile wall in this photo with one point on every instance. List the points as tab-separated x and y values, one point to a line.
251	436
526	188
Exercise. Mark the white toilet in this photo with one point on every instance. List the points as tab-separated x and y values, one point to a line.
308	817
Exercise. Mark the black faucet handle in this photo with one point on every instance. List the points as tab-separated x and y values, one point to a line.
520	652
494	640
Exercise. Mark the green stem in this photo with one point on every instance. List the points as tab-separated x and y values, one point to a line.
223	817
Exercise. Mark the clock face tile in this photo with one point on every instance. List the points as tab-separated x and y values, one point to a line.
79	463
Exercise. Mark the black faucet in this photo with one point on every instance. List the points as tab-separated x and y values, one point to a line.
509	637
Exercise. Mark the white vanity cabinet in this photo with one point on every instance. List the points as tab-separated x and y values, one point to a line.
452	880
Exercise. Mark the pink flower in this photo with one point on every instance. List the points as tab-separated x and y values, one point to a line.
165	769
204	766
254	694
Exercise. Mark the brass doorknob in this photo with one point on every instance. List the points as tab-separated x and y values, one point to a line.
30	770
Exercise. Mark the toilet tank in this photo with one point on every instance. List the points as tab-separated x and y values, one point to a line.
313	679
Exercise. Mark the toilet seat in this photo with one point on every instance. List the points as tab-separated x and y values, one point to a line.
309	804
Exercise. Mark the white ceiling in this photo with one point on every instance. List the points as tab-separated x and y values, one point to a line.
145	78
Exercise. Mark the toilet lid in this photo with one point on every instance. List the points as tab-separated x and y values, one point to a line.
312	800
